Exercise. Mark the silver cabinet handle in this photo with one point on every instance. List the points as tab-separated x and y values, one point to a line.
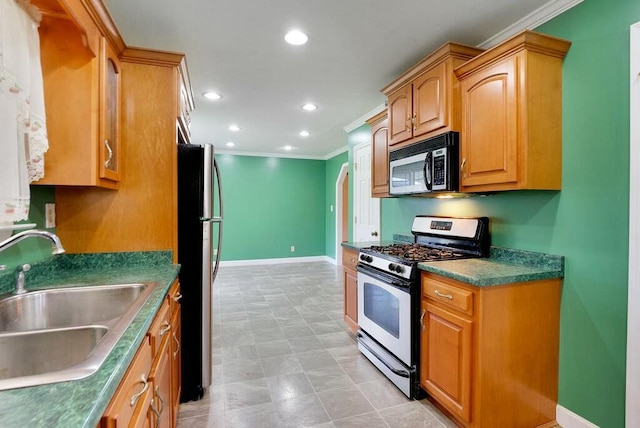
464	174
107	163
177	298
165	328
175	353
424	311
446	296
157	412
135	397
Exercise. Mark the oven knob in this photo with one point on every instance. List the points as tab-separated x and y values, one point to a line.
366	258
392	267
400	269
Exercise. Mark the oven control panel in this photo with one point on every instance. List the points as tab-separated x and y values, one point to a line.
395	268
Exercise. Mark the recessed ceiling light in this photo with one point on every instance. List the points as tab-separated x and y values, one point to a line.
234	128
212	95
296	37
230	144
303	133
309	107
288	148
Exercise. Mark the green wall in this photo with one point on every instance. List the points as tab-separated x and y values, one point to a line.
31	250
333	167
587	222
271	204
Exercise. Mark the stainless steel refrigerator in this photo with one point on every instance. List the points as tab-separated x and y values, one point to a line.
199	232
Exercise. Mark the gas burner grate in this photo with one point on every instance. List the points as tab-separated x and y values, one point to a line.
416	252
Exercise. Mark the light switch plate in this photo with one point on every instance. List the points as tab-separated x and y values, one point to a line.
50	215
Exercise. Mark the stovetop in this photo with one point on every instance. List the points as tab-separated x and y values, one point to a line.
413	252
436	239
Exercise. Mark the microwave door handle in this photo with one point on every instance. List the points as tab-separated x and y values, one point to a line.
427	171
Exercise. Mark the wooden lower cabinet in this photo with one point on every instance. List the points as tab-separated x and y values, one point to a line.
489	355
160	377
350	281
149	394
130	404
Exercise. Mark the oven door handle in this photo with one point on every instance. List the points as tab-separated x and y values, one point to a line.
401	373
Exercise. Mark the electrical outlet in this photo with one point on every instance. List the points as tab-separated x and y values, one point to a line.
293	248
50	215
215	251
331	208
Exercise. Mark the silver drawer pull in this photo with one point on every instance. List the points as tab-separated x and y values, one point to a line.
446	296
177	298
175	353
165	328
135	397
424	312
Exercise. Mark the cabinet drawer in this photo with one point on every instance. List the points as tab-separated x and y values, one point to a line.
131	401
349	258
161	326
448	294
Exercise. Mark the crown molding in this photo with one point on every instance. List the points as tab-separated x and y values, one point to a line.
362	119
536	18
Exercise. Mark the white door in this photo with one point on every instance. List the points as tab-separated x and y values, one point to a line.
366	210
633	314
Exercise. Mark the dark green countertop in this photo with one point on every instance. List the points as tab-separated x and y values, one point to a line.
503	266
81	403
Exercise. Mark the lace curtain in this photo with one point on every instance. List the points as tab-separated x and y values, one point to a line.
23	135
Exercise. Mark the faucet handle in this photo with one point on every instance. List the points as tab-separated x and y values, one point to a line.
24	268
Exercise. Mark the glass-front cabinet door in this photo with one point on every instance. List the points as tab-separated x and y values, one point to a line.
110	166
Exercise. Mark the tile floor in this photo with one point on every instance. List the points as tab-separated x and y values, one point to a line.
283	357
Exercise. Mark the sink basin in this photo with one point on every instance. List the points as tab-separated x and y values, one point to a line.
46	351
63	334
63	307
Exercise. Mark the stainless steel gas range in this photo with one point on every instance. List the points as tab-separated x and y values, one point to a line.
389	291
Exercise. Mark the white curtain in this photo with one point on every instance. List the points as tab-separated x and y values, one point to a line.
23	135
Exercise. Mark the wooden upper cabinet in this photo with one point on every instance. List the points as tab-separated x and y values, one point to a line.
379	155
512	115
81	76
110	91
400	110
424	101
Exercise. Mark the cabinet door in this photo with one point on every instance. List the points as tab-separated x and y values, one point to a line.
351	299
399	109
445	359
109	141
176	361
489	138
380	159
429	101
160	378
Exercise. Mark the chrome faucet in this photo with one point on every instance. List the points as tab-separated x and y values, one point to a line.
56	248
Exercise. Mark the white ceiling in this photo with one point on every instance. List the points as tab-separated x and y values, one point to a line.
355	48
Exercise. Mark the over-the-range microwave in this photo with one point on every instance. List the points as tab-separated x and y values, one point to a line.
427	166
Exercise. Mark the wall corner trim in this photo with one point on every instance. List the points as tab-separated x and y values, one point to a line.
536	18
567	419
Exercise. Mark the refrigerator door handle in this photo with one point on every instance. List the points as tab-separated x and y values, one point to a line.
218	220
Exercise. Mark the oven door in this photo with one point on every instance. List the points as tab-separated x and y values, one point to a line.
407	175
384	312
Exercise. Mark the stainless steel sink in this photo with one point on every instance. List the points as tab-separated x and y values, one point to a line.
46	351
63	307
64	334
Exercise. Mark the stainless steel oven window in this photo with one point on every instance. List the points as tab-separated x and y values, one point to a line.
383	308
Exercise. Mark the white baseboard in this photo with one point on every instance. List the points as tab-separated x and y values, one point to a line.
567	419
277	261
